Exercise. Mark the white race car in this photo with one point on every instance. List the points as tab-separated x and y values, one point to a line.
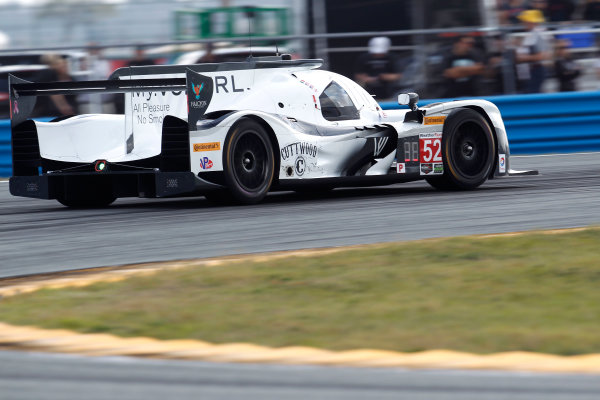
242	129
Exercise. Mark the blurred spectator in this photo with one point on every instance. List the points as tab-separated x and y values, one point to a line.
596	71
510	10
532	53
57	104
4	40
140	58
539	5
99	69
591	12
565	68
209	56
500	67
463	67
560	10
377	70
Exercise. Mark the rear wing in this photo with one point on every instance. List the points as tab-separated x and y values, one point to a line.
23	93
197	84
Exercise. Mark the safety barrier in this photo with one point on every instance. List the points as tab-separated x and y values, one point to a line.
5	154
536	123
546	123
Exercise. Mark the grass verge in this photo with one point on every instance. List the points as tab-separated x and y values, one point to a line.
535	292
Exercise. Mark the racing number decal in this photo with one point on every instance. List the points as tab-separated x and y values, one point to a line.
431	147
430	153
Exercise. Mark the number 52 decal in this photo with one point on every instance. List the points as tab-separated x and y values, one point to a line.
430	146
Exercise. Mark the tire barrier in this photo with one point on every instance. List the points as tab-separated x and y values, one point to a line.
546	123
535	123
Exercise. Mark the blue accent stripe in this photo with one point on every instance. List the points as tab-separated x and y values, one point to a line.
546	123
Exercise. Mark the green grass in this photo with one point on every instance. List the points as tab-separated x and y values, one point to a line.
535	292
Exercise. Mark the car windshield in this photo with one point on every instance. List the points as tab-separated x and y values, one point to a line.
336	104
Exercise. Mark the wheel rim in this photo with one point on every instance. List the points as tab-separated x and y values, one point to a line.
250	161
470	149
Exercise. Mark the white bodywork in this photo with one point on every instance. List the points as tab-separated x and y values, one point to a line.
286	98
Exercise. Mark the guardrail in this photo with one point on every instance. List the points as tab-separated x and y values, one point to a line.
546	123
536	123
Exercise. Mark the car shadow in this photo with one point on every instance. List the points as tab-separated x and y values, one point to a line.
405	192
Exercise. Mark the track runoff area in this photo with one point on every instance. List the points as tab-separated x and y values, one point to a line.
68	341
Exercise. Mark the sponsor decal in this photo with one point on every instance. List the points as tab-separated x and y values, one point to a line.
430	147
432	169
197	89
502	163
300	165
152	109
32	187
206	163
198	104
213	146
222	83
15	109
426	169
439	120
299	149
309	85
401	168
199	94
379	145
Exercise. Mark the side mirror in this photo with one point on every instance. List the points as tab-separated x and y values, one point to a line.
409	99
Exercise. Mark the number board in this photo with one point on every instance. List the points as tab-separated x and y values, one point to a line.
421	155
430	153
407	155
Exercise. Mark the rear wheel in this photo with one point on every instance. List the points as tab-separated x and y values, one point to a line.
468	147
249	162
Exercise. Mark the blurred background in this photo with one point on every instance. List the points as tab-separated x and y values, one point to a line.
438	48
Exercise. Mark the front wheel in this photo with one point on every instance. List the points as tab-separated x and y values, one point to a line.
249	162
468	148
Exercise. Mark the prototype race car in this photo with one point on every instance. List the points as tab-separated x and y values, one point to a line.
241	129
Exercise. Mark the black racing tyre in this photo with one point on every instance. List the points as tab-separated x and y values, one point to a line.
468	148
248	161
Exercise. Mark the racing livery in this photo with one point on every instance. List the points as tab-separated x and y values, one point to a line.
241	129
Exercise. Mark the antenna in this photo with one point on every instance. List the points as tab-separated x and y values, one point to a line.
276	49
250	16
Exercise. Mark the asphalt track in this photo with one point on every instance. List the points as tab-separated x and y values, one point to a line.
43	236
25	376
